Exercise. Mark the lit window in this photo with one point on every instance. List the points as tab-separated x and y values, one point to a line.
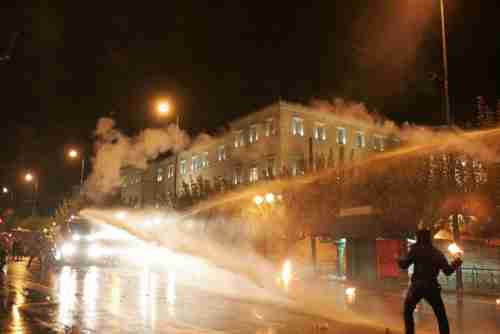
183	167
221	153
270	170
297	168
239	139
378	143
341	136
253	135
360	139
170	171
320	132
159	175
195	163
253	175
204	160
237	177
270	127
297	126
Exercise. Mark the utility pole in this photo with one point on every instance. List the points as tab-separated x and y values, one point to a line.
449	122
445	63
312	229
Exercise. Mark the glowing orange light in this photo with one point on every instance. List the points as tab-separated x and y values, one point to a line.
258	200
73	154
163	107
270	198
454	249
29	177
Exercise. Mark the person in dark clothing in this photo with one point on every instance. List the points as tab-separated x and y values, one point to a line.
427	262
13	253
3	257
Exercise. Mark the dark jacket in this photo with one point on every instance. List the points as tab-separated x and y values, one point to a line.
427	261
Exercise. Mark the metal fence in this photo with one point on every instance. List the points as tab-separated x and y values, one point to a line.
475	278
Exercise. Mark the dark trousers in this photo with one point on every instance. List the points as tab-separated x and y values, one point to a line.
431	292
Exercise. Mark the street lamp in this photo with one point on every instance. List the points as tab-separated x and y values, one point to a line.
258	200
74	154
163	107
30	178
269	198
445	62
8	193
455	228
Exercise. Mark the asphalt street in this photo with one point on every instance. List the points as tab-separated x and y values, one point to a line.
131	299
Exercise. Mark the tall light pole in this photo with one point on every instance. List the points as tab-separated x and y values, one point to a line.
449	123
74	154
444	39
31	178
164	108
265	204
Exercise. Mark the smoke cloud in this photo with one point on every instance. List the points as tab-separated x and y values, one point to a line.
114	151
417	138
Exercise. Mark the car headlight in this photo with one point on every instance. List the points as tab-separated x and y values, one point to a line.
68	249
76	237
96	251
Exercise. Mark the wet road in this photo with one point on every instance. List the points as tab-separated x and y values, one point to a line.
142	300
136	300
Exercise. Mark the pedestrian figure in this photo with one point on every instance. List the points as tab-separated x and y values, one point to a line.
427	262
14	249
3	256
37	250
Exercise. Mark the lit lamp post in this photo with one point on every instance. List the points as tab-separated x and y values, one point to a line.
449	123
164	108
262	202
74	154
445	63
30	178
444	48
6	192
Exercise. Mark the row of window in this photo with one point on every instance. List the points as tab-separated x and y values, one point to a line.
296	168
131	180
320	134
201	161
160	173
253	133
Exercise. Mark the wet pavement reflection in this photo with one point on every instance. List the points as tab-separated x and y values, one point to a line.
142	300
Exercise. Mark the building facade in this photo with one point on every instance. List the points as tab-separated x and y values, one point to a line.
283	139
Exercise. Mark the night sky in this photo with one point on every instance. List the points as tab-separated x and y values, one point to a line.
73	62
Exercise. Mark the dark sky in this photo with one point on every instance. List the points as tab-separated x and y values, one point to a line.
74	62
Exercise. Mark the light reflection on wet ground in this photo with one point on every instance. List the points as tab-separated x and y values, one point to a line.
142	300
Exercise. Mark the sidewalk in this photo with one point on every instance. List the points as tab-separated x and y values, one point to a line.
399	287
393	286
